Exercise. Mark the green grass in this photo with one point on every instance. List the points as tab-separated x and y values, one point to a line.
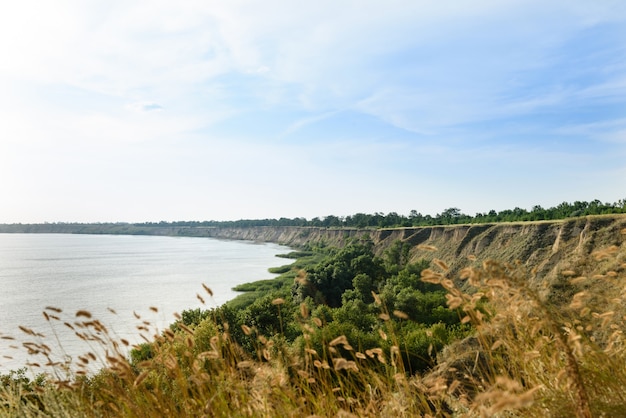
287	274
281	269
297	254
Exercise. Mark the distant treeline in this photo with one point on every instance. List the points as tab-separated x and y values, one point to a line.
449	216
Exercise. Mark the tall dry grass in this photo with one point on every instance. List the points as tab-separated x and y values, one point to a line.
530	356
526	358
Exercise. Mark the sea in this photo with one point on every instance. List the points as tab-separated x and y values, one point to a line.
52	284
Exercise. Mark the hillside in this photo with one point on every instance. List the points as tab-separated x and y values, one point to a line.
550	247
574	272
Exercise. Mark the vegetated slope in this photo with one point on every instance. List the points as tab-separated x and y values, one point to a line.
547	247
569	304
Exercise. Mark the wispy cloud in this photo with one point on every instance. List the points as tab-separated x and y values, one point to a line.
612	130
302	122
145	107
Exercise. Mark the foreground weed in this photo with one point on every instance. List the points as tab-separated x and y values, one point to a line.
527	355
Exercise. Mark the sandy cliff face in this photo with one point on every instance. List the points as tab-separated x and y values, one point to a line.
549	247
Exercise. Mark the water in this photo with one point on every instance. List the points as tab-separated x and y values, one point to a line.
105	273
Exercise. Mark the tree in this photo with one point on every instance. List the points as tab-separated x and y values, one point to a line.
396	256
329	279
450	216
331	221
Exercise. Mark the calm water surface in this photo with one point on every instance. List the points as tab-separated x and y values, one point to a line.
127	274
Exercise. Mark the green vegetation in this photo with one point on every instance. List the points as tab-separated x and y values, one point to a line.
450	216
351	292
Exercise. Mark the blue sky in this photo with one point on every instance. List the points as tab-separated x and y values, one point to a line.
200	110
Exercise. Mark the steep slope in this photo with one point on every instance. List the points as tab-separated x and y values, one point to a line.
549	247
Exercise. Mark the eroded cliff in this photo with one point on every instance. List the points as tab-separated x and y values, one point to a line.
549	248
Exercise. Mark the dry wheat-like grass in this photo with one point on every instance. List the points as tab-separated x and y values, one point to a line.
533	357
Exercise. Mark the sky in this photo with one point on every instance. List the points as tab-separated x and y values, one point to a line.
132	111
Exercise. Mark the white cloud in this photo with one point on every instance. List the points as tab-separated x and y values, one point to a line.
301	123
611	130
145	107
329	49
145	87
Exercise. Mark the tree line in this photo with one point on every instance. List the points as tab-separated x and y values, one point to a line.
450	216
